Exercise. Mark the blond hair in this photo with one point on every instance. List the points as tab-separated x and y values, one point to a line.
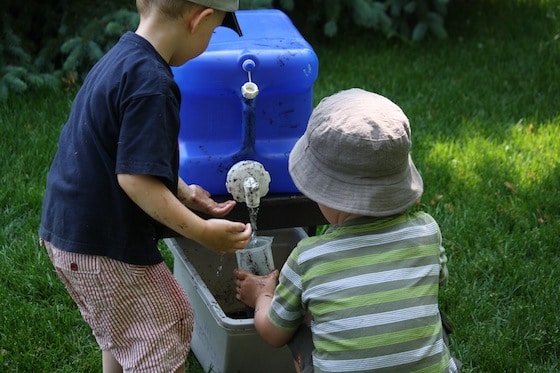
168	8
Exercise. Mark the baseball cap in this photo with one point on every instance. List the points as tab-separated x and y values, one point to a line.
228	6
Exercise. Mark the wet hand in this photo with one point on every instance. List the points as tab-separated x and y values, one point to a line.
199	199
224	236
249	287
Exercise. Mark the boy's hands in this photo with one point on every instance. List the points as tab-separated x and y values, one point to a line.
222	236
249	287
152	196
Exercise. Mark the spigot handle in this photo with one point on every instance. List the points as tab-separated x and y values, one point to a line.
252	195
247	181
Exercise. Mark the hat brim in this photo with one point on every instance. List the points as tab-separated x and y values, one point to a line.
230	21
382	196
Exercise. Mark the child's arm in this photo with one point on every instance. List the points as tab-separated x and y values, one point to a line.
152	196
257	292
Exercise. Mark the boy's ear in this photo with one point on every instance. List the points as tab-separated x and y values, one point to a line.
194	18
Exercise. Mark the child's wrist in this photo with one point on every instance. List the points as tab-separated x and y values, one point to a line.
265	296
263	301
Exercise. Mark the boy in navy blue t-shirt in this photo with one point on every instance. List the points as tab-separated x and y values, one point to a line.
113	186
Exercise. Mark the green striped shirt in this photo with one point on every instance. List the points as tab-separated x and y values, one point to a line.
371	286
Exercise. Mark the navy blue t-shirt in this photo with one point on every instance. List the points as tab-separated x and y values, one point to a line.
124	120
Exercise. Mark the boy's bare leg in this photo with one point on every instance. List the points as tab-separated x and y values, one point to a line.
110	364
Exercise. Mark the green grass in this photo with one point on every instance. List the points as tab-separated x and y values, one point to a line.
485	116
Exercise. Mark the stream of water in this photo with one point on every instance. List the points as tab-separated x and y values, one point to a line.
220	266
253	212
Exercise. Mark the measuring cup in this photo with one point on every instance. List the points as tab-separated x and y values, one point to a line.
257	256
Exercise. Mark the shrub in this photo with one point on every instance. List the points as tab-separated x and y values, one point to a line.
18	69
83	50
56	42
410	20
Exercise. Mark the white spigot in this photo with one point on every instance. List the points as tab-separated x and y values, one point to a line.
247	181
249	90
251	188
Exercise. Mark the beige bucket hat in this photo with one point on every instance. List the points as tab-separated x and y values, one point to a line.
355	156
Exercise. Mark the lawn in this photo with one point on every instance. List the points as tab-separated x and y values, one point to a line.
484	107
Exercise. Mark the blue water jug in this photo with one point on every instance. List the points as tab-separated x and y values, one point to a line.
219	127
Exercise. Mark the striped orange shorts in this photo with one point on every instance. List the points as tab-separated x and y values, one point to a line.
139	313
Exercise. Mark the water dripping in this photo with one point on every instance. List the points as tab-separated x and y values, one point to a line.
220	266
253	212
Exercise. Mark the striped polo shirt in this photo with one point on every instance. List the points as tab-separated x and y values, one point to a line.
371	286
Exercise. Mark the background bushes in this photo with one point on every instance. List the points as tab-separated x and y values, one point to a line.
54	43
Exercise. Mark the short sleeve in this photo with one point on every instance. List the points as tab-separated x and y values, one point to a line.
287	310
148	137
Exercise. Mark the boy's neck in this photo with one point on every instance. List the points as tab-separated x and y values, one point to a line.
159	36
334	216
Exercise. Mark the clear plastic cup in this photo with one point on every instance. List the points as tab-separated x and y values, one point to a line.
257	256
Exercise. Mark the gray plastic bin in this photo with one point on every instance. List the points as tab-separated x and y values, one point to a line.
224	339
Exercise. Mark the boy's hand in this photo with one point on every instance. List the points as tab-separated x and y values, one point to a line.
250	287
257	292
197	198
224	236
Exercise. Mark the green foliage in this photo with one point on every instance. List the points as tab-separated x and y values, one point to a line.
53	42
256	4
84	49
18	70
411	20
